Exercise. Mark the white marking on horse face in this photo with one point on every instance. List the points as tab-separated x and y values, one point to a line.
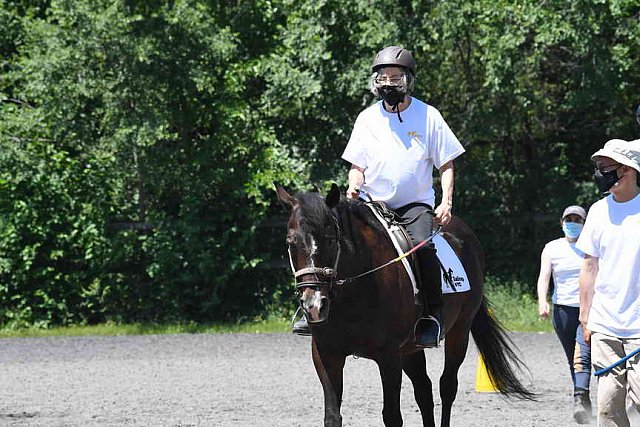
313	301
314	246
317	300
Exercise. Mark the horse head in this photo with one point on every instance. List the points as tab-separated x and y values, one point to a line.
313	239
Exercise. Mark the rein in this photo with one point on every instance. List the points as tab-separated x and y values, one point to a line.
380	267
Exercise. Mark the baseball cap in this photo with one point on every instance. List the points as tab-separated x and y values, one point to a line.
575	210
624	152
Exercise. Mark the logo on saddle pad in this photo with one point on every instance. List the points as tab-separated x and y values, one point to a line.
454	279
457	281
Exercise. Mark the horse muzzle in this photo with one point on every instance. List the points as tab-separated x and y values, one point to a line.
315	304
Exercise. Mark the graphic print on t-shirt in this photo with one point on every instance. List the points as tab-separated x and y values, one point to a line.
410	139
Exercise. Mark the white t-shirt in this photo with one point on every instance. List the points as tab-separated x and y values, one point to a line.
612	234
398	158
566	261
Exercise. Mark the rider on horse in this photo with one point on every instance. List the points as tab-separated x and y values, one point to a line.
393	148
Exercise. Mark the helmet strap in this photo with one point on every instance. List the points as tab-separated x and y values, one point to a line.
395	108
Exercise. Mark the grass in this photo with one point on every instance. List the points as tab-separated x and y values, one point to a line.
113	329
513	305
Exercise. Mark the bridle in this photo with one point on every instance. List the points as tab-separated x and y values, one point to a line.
330	273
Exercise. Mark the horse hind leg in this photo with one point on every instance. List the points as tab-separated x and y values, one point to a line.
455	351
329	368
415	366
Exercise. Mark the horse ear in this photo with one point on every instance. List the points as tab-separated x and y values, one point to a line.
333	197
285	198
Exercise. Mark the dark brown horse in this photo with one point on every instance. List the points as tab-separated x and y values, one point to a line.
332	240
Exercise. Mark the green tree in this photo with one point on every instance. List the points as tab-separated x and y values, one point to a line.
139	141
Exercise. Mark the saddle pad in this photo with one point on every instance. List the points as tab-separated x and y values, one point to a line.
453	266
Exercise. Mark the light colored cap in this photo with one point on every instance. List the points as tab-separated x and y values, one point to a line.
623	152
575	210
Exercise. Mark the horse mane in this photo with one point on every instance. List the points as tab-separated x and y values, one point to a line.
359	210
315	212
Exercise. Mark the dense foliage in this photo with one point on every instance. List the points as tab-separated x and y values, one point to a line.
139	140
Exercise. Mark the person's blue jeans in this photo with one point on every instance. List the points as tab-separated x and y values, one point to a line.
569	331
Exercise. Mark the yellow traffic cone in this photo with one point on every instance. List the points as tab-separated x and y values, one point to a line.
483	383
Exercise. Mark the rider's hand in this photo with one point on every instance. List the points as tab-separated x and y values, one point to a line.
543	309
353	192
443	214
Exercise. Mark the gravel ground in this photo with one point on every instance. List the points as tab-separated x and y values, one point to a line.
242	380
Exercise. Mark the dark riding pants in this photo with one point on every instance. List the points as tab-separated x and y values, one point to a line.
419	230
567	326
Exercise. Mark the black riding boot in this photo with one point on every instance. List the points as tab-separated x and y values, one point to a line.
301	327
429	329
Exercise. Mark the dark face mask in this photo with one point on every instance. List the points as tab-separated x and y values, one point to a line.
392	95
605	180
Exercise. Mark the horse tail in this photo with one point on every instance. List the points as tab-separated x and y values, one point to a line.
498	355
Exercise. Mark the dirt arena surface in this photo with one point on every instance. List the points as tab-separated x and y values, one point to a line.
242	380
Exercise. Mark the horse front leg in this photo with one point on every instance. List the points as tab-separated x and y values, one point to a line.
329	367
415	366
391	374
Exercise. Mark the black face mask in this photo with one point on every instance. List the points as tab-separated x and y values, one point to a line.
393	96
605	180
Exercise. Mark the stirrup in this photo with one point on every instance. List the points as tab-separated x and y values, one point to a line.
432	336
301	327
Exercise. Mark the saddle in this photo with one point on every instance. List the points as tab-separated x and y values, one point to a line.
402	242
400	239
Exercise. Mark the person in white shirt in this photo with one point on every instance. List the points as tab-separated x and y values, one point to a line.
394	146
610	279
561	260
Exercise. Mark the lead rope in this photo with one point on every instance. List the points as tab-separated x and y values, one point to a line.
619	362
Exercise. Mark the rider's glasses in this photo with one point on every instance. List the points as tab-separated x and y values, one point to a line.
395	80
608	168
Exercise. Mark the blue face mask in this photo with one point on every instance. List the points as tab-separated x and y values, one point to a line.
571	229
